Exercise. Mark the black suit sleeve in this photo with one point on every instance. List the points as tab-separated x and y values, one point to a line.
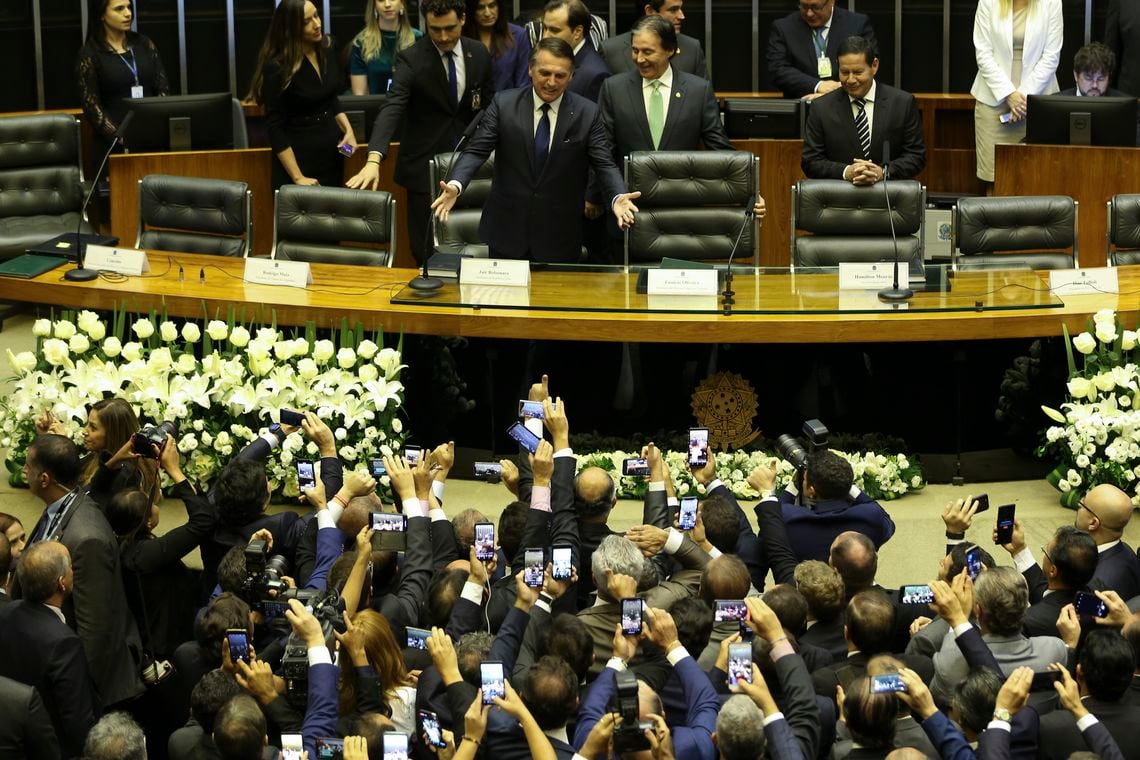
395	102
815	163
799	706
785	76
151	556
712	128
39	735
443	548
774	541
1035	579
912	153
484	140
74	695
601	157
415	575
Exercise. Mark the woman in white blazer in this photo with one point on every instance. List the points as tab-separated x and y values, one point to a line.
1017	44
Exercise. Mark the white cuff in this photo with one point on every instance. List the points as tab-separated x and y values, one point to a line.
567	452
455	183
580	757
999	724
325	519
336	509
960	629
616	663
853	492
414	508
714	553
676	655
542	605
437	487
1023	560
473	593
656	485
272	440
673	543
791	489
672	501
1086	721
320	656
768	719
534	425
714	483
437	514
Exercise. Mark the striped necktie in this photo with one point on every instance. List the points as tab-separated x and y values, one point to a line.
862	128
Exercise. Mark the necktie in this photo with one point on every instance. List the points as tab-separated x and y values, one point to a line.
452	77
862	128
820	42
656	113
542	140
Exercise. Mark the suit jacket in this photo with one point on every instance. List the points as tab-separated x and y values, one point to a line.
590	72
690	56
1041	618
1122	34
908	733
811	531
531	215
830	142
993	50
828	636
1118	569
1010	653
792	66
419	99
1060	736
25	725
841	671
403	608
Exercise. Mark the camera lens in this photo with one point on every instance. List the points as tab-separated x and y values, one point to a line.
792	450
276	567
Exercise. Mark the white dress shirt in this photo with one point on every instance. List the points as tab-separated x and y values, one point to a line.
666	80
869	107
460	66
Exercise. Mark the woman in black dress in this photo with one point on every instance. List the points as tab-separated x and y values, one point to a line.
115	64
297	81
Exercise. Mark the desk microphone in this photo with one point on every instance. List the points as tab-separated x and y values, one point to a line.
894	293
79	274
728	293
424	282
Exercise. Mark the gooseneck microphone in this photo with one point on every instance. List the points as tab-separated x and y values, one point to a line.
79	274
894	293
729	293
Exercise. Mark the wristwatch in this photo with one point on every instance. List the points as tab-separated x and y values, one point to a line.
277	432
1001	714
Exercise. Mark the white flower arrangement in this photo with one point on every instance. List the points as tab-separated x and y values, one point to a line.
220	383
1097	436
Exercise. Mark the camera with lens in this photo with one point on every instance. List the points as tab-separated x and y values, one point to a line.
328	609
796	450
148	441
629	735
263	573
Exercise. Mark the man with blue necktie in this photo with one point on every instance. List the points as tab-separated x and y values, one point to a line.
803	48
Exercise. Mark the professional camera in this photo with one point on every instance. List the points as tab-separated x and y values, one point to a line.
263	572
151	438
629	735
328	608
796	451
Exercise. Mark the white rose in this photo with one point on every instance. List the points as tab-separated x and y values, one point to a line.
239	337
300	347
41	328
388	360
1105	332
64	329
160	359
346	358
1082	461
283	350
340	434
97	332
87	321
397	426
261	367
207	439
112	347
368	372
1104	315
1129	340
188	443
186	364
198	425
168	331
1084	343
323	350
347	453
1064	486
223	439
1081	388
367	349
268	334
191	333
256	350
56	352
79	343
1104	381
143	328
307	369
23	362
217	329
132	351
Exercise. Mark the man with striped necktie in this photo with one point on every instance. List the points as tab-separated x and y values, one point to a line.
848	128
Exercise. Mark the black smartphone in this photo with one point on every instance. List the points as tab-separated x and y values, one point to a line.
1090	604
239	644
417	637
534	561
974	563
484	541
395	746
413	454
739	663
377	468
1005	523
493	681
561	560
273	609
1044	681
330	748
489	471
290	417
730	609
306	475
524	437
687	518
531	410
389	532
886	683
916	594
631	616
698	447
638	468
983	503
429	724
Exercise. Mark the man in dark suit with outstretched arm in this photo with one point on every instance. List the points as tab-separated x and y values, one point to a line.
803	48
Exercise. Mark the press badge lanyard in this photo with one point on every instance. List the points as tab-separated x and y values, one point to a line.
822	62
136	90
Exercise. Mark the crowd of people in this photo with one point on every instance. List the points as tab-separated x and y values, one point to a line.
719	641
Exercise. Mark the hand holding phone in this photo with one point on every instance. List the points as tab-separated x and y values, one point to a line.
698	447
484	541
238	640
1090	604
290	417
561	560
306	474
524	437
631	612
1005	517
493	681
534	563
739	663
638	468
887	683
687	518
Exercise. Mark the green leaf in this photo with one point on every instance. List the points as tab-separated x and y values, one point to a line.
1069	350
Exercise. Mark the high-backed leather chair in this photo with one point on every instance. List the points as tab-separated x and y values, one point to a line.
460	233
692	205
41	182
850	224
195	215
1038	231
1123	245
311	222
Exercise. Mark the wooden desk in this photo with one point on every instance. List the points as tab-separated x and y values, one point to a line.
1089	175
365	294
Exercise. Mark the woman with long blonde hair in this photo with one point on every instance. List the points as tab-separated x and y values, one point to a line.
386	32
374	678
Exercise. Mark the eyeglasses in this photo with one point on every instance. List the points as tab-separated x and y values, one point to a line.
1081	505
1046	553
814	7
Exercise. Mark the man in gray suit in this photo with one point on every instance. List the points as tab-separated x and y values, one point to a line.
690	57
97	609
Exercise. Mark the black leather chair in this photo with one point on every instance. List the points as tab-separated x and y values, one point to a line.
460	233
311	222
1124	229
241	131
850	224
41	182
692	205
1034	231
195	215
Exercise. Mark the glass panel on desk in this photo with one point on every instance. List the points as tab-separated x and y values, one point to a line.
756	291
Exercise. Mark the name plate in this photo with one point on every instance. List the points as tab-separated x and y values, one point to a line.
504	272
682	282
293	274
128	261
1079	282
871	276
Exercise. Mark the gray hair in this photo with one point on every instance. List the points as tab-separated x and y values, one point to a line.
620	556
1003	598
115	737
41	566
740	729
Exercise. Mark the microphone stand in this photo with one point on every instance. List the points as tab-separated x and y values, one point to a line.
893	294
425	283
728	293
79	274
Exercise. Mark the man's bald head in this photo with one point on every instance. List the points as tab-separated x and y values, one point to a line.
595	493
44	571
854	556
906	753
1104	513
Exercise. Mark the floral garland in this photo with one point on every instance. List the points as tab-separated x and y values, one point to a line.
1097	438
882	477
222	382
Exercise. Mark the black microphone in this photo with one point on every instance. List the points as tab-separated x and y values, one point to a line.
425	282
894	293
728	291
79	274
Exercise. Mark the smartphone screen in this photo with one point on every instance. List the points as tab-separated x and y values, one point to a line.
688	516
395	746
631	616
274	609
491	675
488	471
329	748
983	503
918	594
1005	523
561	560
306	477
290	417
389	532
417	637
531	410
1090	604
484	541
524	437
635	467
1044	681
412	454
239	644
888	682
698	447
377	468
533	562
429	723
974	563
291	747
730	609
739	663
